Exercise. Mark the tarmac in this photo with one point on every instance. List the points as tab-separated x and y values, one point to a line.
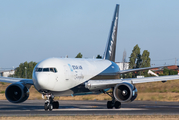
36	108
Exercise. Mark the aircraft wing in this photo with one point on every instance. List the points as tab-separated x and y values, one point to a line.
13	80
140	69
103	84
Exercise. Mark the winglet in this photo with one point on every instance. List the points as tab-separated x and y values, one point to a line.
110	50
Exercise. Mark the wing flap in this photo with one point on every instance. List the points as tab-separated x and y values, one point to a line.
140	69
154	79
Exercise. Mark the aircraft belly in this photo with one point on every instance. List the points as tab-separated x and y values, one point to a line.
78	90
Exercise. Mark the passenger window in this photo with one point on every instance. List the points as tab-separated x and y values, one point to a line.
45	69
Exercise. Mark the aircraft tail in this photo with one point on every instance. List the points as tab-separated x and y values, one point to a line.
110	49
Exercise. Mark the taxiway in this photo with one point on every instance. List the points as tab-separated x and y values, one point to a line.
36	107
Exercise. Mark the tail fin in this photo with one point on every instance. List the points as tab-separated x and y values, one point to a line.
110	50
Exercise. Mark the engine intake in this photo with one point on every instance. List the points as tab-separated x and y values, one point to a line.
17	93
125	92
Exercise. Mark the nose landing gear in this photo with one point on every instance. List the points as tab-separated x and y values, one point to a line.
50	104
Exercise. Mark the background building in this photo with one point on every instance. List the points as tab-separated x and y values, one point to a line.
123	66
7	73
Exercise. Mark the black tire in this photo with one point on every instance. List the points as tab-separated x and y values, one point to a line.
46	106
117	105
50	107
109	105
55	104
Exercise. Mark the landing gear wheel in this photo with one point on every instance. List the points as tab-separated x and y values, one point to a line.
55	104
50	104
117	105
50	107
109	105
46	106
113	103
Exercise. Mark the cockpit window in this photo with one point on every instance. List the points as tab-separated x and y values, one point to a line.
38	69
46	70
51	70
55	70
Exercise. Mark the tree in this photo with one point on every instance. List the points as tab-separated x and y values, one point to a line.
145	59
79	55
166	71
134	56
21	72
124	59
138	61
134	61
99	57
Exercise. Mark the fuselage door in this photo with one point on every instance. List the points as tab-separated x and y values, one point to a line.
66	73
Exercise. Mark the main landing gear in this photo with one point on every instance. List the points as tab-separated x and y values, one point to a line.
50	104
113	103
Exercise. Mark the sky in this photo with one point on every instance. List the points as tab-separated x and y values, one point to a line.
35	30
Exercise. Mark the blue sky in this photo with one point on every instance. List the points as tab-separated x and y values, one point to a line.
34	30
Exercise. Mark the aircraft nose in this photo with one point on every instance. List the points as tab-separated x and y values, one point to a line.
41	81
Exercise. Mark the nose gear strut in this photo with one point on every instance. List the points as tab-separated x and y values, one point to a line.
50	104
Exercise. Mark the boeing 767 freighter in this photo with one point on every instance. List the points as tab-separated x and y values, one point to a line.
76	76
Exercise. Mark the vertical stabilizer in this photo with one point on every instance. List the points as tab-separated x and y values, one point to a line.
110	50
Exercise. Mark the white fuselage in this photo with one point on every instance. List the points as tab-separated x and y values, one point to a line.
69	73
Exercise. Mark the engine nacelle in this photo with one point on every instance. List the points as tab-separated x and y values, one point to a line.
125	92
17	93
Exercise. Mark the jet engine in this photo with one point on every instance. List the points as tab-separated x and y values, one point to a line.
17	93
125	92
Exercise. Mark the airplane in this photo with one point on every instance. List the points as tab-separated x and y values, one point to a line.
78	76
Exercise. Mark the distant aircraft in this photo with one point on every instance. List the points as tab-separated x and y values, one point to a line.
76	76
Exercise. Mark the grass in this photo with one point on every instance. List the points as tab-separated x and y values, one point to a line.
96	117
169	86
3	83
155	91
2	92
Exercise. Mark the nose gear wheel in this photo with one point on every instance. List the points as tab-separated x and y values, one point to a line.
50	104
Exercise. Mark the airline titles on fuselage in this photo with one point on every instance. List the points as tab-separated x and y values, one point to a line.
77	67
77	70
